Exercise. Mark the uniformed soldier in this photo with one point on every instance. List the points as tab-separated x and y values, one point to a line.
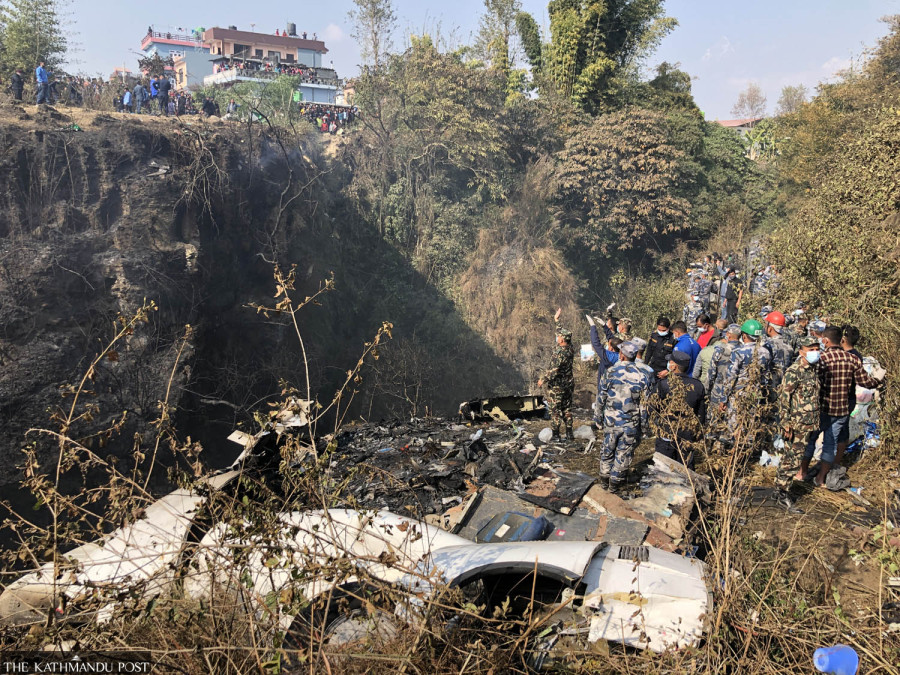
738	376
718	366
623	329
560	380
692	312
641	345
782	353
622	412
798	409
704	289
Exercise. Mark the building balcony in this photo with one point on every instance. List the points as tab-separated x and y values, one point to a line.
247	75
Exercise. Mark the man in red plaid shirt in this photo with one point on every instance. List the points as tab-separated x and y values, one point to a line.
838	372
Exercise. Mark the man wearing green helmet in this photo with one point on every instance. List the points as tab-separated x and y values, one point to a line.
750	353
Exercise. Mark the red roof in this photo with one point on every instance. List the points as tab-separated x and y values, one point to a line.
740	123
245	36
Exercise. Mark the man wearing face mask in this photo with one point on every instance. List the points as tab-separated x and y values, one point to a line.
798	410
659	347
839	371
692	311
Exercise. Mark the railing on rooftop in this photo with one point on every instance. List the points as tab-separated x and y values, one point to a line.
184	37
237	74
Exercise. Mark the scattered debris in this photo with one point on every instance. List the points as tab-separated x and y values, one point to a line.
503	408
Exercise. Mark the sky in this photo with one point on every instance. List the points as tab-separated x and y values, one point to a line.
723	45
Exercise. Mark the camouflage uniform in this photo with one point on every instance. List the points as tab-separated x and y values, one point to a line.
791	338
718	367
738	374
798	407
622	401
704	288
737	381
691	313
560	382
782	358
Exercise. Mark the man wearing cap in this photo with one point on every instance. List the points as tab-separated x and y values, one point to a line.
622	414
782	353
692	311
623	329
678	421
659	346
704	288
798	409
560	379
817	329
641	344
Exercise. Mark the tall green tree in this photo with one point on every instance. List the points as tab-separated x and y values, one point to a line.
34	32
530	37
597	45
494	42
374	22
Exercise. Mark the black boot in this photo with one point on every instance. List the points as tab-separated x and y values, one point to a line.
555	436
570	435
603	482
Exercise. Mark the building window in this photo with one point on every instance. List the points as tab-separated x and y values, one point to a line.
274	55
289	58
241	50
258	53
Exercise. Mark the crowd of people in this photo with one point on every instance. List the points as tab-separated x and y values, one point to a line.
249	68
156	95
328	118
696	378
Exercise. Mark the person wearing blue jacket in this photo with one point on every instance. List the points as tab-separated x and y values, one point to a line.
43	84
607	357
685	343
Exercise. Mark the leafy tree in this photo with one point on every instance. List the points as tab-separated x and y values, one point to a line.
751	103
530	37
670	89
791	99
430	153
374	22
620	180
494	42
155	65
596	46
33	33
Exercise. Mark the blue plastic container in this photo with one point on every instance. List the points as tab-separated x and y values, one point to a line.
837	660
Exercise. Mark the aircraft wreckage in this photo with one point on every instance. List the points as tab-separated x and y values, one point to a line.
485	508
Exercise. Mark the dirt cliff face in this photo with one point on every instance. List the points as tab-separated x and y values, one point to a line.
192	216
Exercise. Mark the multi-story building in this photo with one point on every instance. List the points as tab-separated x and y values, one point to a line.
167	43
239	55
